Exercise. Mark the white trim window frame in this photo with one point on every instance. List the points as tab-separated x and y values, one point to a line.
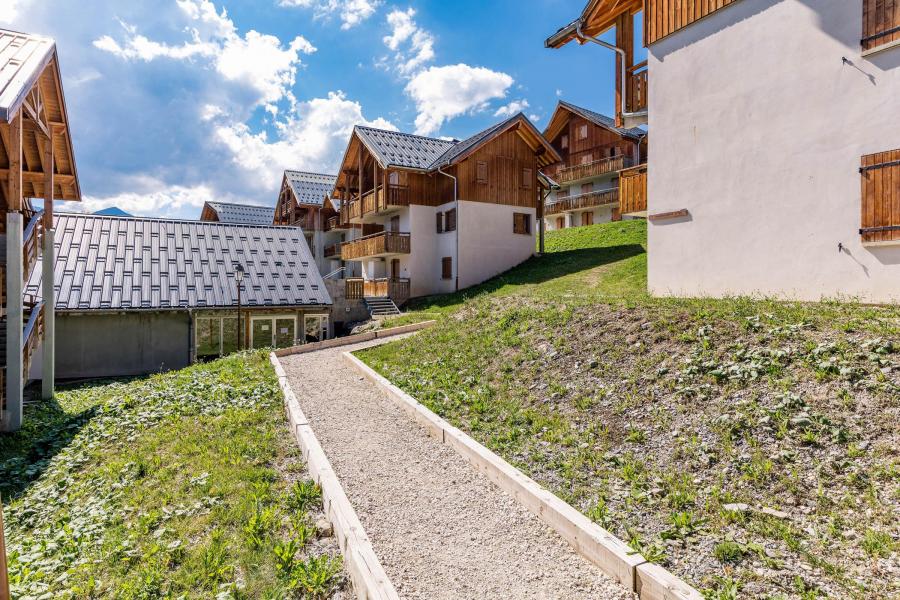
323	325
272	319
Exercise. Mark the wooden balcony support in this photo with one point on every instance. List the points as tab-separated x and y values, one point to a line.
583	201
384	243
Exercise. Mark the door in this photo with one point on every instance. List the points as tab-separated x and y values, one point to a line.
560	222
315	328
261	333
395	224
395	269
587	218
285	332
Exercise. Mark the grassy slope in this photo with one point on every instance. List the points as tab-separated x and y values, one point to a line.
651	415
184	483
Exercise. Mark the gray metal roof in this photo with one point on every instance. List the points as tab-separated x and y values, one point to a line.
121	263
248	214
310	188
604	121
395	149
23	57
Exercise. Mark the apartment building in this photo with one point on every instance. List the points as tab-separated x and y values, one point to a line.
595	154
776	168
435	215
37	161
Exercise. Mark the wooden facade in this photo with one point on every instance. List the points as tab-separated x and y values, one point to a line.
664	17
881	23
880	210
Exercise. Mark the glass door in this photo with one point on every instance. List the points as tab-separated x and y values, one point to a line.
285	331
261	332
315	328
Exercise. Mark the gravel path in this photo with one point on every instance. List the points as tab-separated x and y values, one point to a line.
406	485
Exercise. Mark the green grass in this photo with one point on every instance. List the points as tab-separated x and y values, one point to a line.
179	485
649	414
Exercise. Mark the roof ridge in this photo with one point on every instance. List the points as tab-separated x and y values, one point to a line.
309	173
240	204
403	133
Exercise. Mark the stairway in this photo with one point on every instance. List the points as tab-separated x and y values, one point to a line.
381	307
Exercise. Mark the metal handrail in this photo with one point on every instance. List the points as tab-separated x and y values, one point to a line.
335	273
38	216
373	235
32	323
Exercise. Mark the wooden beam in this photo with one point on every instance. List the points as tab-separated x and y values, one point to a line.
37	177
48	163
14	177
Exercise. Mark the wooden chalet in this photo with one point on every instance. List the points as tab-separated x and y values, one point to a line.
602	174
37	161
438	215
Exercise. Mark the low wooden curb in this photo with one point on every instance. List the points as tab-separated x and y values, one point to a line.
370	582
353	339
612	555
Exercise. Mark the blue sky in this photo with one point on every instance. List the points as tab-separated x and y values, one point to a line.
175	102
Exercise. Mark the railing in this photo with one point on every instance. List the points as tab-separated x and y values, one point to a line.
375	201
581	201
333	250
354	288
34	333
377	244
31	243
337	223
395	289
637	82
633	190
593	169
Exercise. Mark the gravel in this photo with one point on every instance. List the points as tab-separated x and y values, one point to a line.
440	528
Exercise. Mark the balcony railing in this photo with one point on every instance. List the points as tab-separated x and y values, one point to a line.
583	201
336	223
378	244
637	82
34	333
593	169
354	288
375	201
333	250
397	290
31	243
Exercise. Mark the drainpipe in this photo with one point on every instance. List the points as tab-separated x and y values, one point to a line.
583	37
542	224
456	204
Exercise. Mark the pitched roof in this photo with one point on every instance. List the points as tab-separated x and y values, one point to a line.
249	214
602	121
23	57
464	146
395	149
310	188
119	263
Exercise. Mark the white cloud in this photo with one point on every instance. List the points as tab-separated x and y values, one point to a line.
351	12
442	93
413	46
9	10
514	107
312	137
256	61
150	196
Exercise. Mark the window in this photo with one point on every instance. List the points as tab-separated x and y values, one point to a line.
526	178
881	25
582	132
587	188
522	223
440	222
450	220
560	222
397	178
564	142
447	267
563	193
481	172
273	331
880	210
315	328
215	336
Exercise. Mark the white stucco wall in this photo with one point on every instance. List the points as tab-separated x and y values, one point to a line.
427	248
758	129
487	243
574	218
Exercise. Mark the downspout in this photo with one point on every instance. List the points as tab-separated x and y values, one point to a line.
456	204
582	37
542	224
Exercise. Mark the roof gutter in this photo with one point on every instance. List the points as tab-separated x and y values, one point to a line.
583	37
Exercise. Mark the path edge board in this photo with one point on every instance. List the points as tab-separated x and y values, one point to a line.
612	555
353	339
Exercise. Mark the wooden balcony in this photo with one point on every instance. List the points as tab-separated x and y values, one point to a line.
375	202
337	223
333	251
384	243
396	289
637	81
583	202
593	169
633	191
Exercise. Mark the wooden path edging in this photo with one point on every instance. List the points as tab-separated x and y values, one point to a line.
370	581
353	339
612	555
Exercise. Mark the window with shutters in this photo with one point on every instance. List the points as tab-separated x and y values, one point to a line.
880	211
450	218
440	222
526	178
447	267
881	24
587	188
522	223
481	172
564	142
587	218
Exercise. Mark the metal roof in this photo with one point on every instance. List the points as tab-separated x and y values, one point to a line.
133	263
405	150
248	214
603	121
23	57
310	188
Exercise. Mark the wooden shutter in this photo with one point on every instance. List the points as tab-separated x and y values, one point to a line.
521	223
560	222
447	267
450	220
587	218
880	210
526	178
440	222
587	188
582	132
881	23
564	142
481	172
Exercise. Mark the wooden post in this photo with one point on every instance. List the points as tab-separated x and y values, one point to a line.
622	26
48	344
4	573
14	197
49	168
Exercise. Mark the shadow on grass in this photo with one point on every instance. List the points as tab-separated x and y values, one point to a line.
47	428
536	270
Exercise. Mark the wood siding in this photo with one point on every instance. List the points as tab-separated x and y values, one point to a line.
880	210
881	23
379	244
603	150
507	157
665	17
633	190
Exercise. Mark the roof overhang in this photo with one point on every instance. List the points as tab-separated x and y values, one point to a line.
546	153
598	17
